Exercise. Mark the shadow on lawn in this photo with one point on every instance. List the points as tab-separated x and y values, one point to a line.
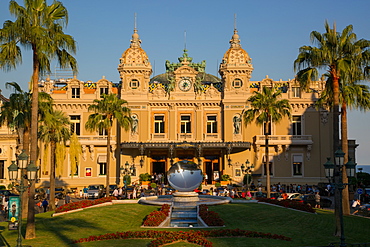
3	241
61	228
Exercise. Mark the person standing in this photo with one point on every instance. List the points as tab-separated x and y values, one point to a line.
317	200
67	199
356	205
85	190
45	205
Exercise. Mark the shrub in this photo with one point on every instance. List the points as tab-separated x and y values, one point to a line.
83	204
155	218
289	204
209	217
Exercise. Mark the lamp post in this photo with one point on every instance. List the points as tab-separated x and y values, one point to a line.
334	173
127	171
247	170
30	176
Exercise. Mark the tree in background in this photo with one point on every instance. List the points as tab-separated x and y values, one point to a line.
55	129
265	109
38	27
106	111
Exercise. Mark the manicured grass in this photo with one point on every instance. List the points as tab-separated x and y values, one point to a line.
305	229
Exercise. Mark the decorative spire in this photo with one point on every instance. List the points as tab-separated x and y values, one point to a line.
135	41
235	41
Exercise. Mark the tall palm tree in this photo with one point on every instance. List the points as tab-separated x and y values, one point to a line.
106	110
266	108
336	53
38	27
55	128
353	94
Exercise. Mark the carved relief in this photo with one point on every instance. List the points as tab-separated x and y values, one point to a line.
92	152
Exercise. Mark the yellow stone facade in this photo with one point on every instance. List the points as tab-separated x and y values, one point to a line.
186	113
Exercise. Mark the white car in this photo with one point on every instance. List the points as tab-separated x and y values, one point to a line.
291	196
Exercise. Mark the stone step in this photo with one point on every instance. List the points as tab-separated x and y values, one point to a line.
183	215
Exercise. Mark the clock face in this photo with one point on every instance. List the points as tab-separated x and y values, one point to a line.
185	85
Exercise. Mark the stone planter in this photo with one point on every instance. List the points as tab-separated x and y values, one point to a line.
89	90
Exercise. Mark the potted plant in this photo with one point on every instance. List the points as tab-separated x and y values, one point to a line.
225	179
144	178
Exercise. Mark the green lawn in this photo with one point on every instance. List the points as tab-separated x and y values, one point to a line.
305	229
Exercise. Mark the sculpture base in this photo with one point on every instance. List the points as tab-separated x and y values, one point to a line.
185	197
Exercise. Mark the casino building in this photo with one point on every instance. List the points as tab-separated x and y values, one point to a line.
187	114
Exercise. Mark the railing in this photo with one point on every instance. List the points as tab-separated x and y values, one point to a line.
185	136
159	136
211	136
285	139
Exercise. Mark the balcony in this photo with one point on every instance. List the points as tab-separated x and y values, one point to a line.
285	140
159	136
185	136
96	140
211	136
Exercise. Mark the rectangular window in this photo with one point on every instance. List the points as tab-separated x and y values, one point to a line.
297	165
75	93
296	92
2	169
267	128
185	124
211	124
297	125
102	168
75	124
159	124
103	90
103	132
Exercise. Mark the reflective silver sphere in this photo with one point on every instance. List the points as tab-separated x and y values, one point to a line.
185	176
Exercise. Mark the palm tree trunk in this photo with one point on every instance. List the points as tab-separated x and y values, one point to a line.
344	135
31	227
52	176
336	147
108	163
25	147
267	159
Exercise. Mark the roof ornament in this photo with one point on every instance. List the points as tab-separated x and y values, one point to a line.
235	41
135	41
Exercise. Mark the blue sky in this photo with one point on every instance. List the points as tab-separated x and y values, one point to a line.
270	31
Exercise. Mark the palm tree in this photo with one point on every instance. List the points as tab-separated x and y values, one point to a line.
16	113
266	108
38	27
353	94
106	110
55	129
337	53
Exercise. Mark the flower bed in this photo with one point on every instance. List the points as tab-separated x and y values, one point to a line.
196	237
83	204
209	217
289	204
155	218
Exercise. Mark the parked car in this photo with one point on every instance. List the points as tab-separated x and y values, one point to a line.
60	193
310	199
273	195
8	193
40	194
95	191
112	187
364	210
291	196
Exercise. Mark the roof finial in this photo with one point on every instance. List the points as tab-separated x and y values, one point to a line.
184	40
234	21
135	41
235	41
135	22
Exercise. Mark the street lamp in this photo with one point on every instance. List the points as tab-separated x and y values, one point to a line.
247	170
334	174
126	172
30	176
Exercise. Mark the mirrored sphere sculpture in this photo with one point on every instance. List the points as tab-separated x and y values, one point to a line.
185	176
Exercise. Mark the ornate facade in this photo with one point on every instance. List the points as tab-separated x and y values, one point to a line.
186	113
